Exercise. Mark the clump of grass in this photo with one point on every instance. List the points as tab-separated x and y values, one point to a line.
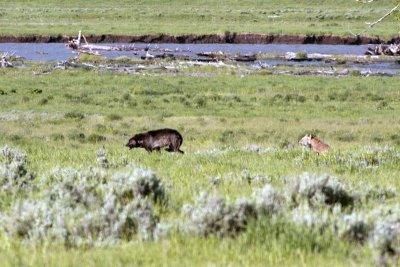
226	136
114	117
57	137
36	91
395	138
383	105
200	102
76	136
101	157
355	73
301	55
95	138
15	137
126	97
346	137
74	115
43	101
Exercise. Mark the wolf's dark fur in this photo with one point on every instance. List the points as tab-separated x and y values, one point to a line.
157	139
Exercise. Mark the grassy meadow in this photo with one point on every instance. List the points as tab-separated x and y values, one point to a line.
240	134
244	193
340	17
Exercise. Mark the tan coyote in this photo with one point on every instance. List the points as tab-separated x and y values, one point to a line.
314	143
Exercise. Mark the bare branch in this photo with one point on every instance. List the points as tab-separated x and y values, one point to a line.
379	20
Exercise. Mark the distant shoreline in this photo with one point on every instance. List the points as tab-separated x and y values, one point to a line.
234	38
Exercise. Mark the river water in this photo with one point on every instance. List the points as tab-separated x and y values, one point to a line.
59	52
46	52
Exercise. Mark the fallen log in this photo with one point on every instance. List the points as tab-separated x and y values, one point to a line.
388	50
4	63
67	64
245	58
76	44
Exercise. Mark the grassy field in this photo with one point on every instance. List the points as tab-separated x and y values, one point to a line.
339	17
240	134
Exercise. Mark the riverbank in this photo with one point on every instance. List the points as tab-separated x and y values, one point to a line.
234	38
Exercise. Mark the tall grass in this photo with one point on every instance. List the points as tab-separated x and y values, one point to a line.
261	192
174	17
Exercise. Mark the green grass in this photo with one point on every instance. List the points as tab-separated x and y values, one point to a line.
338	17
259	247
85	110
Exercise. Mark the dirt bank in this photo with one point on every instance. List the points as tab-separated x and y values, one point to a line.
234	38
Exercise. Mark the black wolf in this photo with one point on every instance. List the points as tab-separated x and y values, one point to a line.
157	139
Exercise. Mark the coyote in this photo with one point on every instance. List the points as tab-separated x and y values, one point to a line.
314	143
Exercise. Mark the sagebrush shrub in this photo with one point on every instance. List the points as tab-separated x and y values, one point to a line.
212	215
13	173
268	200
385	236
92	207
317	190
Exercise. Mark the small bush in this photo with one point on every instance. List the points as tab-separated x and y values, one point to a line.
57	137
13	173
36	91
301	55
87	208
126	97
318	190
74	115
346	137
101	156
114	117
268	200
385	236
213	216
383	105
43	101
95	138
137	182
355	73
76	136
200	102
354	227
226	136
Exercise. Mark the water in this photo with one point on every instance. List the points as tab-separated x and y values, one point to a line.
59	52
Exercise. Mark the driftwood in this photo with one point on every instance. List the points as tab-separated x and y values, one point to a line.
76	44
370	25
388	50
68	64
245	58
4	63
219	55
